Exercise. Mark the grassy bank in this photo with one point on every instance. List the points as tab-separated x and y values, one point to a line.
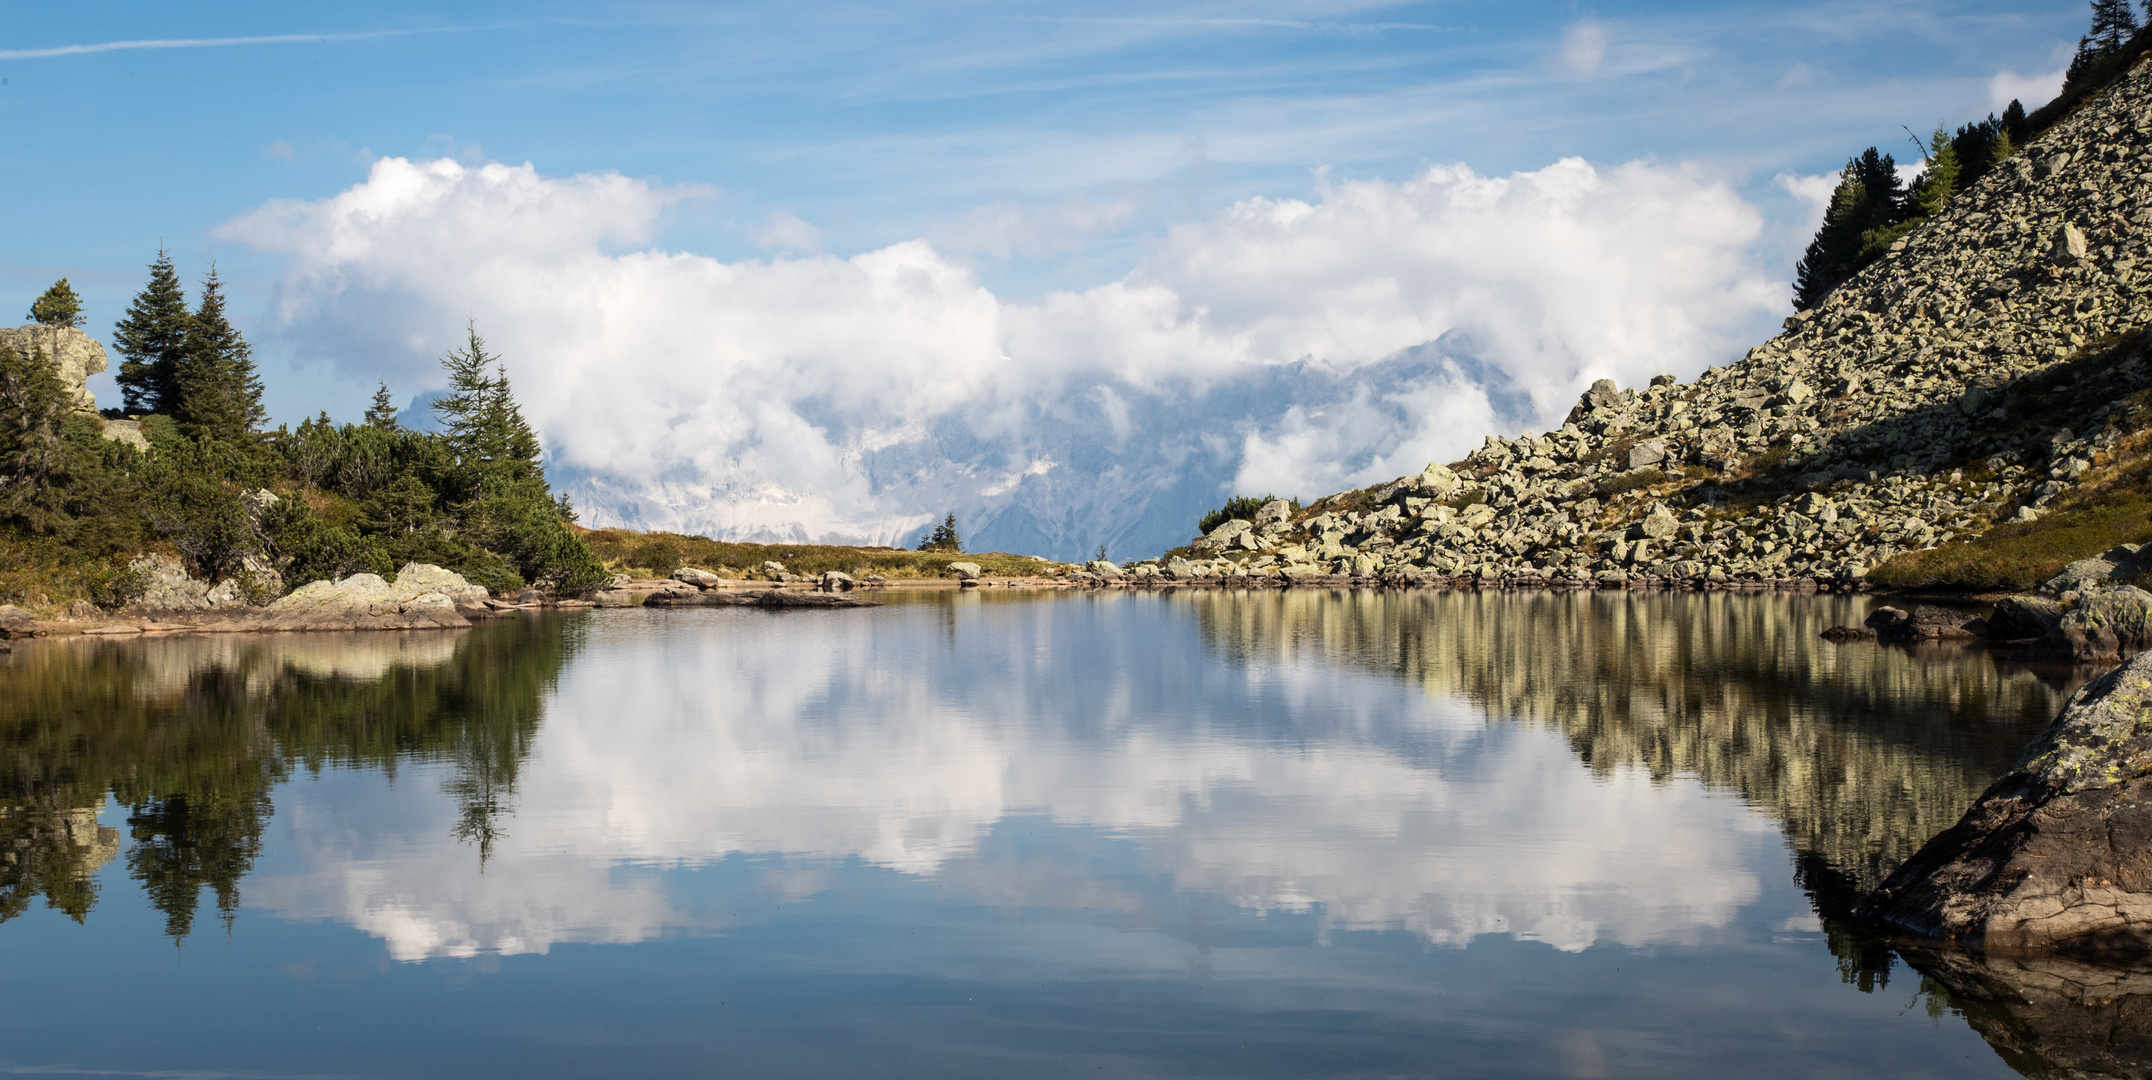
2111	505
658	554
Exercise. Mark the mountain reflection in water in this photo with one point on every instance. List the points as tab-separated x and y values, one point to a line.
1368	762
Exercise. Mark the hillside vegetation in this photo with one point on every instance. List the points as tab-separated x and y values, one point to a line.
658	554
186	469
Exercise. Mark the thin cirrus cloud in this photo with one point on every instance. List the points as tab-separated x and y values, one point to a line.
814	396
203	43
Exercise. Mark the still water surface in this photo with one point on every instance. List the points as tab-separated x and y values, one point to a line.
1210	834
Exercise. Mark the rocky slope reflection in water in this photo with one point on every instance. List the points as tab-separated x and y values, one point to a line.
1861	751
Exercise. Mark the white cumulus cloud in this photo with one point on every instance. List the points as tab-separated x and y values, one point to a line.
814	396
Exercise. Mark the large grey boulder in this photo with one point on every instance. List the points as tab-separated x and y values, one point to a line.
168	588
74	355
16	622
1279	511
701	579
422	596
834	581
1438	481
2106	624
2079	576
2024	618
1648	452
2056	854
1660	524
965	571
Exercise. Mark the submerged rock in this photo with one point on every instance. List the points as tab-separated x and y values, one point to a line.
2056	854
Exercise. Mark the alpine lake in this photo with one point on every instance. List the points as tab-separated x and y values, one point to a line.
996	833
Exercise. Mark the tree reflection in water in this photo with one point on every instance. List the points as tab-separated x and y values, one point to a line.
191	734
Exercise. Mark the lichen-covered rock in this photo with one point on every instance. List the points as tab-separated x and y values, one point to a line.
75	356
2057	853
965	571
2107	624
2079	576
834	581
168	588
701	579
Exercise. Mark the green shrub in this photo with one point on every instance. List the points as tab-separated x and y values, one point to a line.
1237	508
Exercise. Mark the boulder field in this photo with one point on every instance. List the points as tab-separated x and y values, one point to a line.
1987	366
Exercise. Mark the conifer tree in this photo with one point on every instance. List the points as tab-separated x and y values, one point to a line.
58	307
1829	258
1865	204
151	339
2014	123
220	394
1939	181
33	402
2112	24
382	413
944	536
470	390
2002	149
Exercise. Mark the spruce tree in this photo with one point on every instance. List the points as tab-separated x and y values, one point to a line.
513	446
382	413
58	307
2113	22
220	394
470	391
151	339
943	537
1829	258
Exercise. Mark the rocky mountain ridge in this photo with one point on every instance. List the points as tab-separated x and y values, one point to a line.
1991	364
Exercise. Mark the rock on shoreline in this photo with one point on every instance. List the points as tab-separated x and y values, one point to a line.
2058	853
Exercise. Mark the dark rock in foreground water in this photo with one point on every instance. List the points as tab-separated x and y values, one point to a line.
2056	854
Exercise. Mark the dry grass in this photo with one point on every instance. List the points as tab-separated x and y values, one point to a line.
658	554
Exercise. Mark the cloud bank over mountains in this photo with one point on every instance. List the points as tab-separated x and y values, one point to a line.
1280	345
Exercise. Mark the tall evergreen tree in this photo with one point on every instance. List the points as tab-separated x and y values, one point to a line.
2014	123
1866	202
1939	181
462	410
151	339
2113	22
220	394
58	307
1829	258
382	413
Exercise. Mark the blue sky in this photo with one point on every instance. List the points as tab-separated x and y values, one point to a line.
1041	149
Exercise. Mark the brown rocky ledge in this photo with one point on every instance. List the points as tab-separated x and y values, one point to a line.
2058	853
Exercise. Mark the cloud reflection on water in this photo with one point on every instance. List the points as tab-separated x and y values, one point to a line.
904	738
